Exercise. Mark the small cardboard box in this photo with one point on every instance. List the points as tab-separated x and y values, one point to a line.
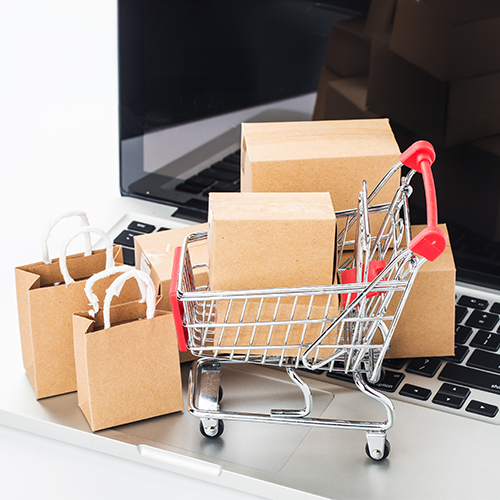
317	156
449	39
427	324
154	254
348	51
269	240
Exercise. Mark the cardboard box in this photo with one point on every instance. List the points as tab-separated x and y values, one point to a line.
319	106
348	51
268	240
445	113
427	324
346	99
406	94
154	255
449	39
317	156
380	17
293	339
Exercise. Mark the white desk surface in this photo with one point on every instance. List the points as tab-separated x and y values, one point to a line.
59	149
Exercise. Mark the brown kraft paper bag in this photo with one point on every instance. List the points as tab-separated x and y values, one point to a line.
127	358
46	304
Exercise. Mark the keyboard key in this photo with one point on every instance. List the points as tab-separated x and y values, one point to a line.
390	381
189	188
200	180
128	256
486	340
484	360
470	377
221	175
450	401
480	408
190	214
455	390
197	204
126	238
427	367
141	227
233	158
462	334
460	313
495	308
228	166
415	392
481	319
473	302
395	364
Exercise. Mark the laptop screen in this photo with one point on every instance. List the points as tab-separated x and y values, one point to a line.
183	64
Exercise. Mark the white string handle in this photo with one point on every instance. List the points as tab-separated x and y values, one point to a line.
84	230
93	300
115	288
53	221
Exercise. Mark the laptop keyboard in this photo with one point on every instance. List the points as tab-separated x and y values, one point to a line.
467	383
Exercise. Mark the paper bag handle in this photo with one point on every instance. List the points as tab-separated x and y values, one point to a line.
93	300
55	220
115	288
84	230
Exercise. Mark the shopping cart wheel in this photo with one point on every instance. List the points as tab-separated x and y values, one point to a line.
376	454
213	431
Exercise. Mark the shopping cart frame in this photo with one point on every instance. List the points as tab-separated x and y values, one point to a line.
362	358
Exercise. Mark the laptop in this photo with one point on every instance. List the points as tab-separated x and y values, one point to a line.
438	450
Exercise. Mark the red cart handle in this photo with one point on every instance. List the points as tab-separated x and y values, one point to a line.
177	307
431	242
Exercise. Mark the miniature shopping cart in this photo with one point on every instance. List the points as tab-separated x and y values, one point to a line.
344	328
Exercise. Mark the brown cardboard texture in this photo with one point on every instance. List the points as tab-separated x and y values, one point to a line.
348	51
445	113
326	76
427	324
317	156
346	99
130	371
269	240
448	39
380	17
154	255
45	309
288	339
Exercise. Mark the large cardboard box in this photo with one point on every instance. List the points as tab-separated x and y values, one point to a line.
427	324
268	240
319	106
445	113
346	99
348	51
317	156
380	17
406	94
450	39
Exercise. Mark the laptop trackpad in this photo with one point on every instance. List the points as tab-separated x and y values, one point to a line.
265	447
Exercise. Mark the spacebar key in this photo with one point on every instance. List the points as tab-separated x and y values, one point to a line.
470	377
